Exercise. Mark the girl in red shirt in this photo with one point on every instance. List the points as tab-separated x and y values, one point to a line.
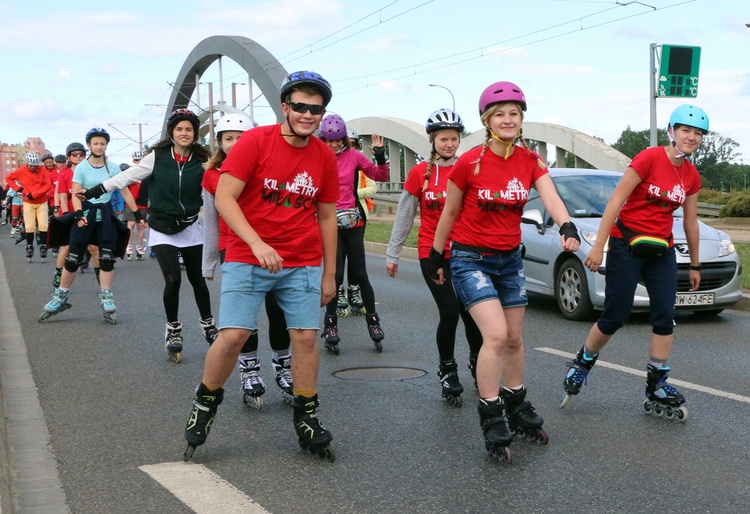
487	190
658	181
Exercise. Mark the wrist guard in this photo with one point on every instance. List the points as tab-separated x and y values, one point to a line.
435	262
568	230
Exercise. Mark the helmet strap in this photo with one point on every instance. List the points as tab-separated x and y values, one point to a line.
508	144
293	133
670	135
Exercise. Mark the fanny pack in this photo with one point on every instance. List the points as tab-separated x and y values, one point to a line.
643	245
168	224
348	218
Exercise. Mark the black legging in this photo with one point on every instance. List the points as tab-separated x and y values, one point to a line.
168	257
450	309
351	242
278	335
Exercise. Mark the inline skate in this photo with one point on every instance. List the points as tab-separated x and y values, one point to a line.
253	387
376	333
108	306
497	434
522	419
577	375
331	334
355	300
56	305
313	437
173	341
473	357
210	331
43	252
342	305
662	399
140	253
451	386
57	278
29	252
129	252
201	418
282	370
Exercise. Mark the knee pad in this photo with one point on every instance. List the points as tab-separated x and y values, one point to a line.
106	260
73	262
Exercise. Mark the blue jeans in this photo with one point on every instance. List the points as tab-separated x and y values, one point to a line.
479	277
624	270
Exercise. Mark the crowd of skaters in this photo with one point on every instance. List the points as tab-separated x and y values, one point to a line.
307	174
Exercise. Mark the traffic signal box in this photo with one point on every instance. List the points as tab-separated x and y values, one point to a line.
678	75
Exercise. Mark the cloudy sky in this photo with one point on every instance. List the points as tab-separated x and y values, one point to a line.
582	63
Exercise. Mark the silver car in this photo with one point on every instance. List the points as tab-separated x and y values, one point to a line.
580	292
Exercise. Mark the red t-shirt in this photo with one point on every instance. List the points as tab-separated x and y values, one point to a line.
431	203
210	182
284	183
65	185
494	199
662	190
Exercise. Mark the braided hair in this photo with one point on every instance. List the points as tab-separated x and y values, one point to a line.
430	162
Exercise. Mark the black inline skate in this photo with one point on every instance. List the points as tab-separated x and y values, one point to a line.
282	370
331	334
43	252
210	331
662	399
201	418
57	278
522	419
29	252
376	333
355	300
253	387
342	305
313	437
497	434
451	387
173	341
577	375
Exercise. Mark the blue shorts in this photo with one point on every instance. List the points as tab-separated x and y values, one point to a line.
244	288
478	277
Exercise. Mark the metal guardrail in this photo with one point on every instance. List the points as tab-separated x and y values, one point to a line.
708	209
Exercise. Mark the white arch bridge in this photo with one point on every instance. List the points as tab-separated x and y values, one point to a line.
406	139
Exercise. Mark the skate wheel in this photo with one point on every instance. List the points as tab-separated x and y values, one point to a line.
565	400
256	402
189	453
43	316
681	414
670	413
175	357
501	454
648	407
542	437
111	319
378	346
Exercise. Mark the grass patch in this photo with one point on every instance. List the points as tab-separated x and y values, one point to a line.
743	249
380	232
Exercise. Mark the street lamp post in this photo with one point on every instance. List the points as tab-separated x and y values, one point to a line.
449	91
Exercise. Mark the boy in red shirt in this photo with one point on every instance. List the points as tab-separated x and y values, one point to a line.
277	193
34	182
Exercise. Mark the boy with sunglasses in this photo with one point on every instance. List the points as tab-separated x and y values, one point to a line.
277	193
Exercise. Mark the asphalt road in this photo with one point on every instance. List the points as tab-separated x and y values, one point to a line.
113	404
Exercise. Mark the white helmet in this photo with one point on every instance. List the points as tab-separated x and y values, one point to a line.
352	134
32	159
233	122
137	155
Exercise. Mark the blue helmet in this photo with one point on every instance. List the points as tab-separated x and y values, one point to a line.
691	116
96	131
309	78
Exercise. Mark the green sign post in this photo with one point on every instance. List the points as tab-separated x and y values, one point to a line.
678	74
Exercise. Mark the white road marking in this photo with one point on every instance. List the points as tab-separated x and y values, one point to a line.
681	383
201	489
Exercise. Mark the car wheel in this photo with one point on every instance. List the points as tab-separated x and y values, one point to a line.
708	313
572	291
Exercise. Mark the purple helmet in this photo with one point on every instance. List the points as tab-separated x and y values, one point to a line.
333	127
501	92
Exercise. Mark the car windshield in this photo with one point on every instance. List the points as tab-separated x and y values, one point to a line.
586	196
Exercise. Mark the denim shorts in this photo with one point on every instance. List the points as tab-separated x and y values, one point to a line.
478	277
244	288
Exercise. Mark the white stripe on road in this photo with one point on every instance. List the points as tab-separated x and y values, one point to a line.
681	383
201	489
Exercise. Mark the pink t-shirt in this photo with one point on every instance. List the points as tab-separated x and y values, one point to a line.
284	184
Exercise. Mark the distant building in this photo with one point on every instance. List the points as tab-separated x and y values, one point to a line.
13	156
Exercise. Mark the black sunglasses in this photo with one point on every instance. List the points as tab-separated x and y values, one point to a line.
314	109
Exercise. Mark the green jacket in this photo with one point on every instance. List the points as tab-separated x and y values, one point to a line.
172	190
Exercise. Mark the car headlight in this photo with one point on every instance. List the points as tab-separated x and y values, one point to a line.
590	238
726	247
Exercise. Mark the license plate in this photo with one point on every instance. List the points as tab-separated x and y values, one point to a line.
694	299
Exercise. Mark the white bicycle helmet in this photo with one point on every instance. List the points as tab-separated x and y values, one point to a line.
32	159
233	122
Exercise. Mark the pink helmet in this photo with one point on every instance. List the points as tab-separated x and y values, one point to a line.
501	92
333	127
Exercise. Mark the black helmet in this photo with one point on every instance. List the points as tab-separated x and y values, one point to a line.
179	115
310	78
47	156
60	158
124	166
74	147
444	119
97	132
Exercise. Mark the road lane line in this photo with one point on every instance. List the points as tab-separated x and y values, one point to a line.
681	383
201	489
